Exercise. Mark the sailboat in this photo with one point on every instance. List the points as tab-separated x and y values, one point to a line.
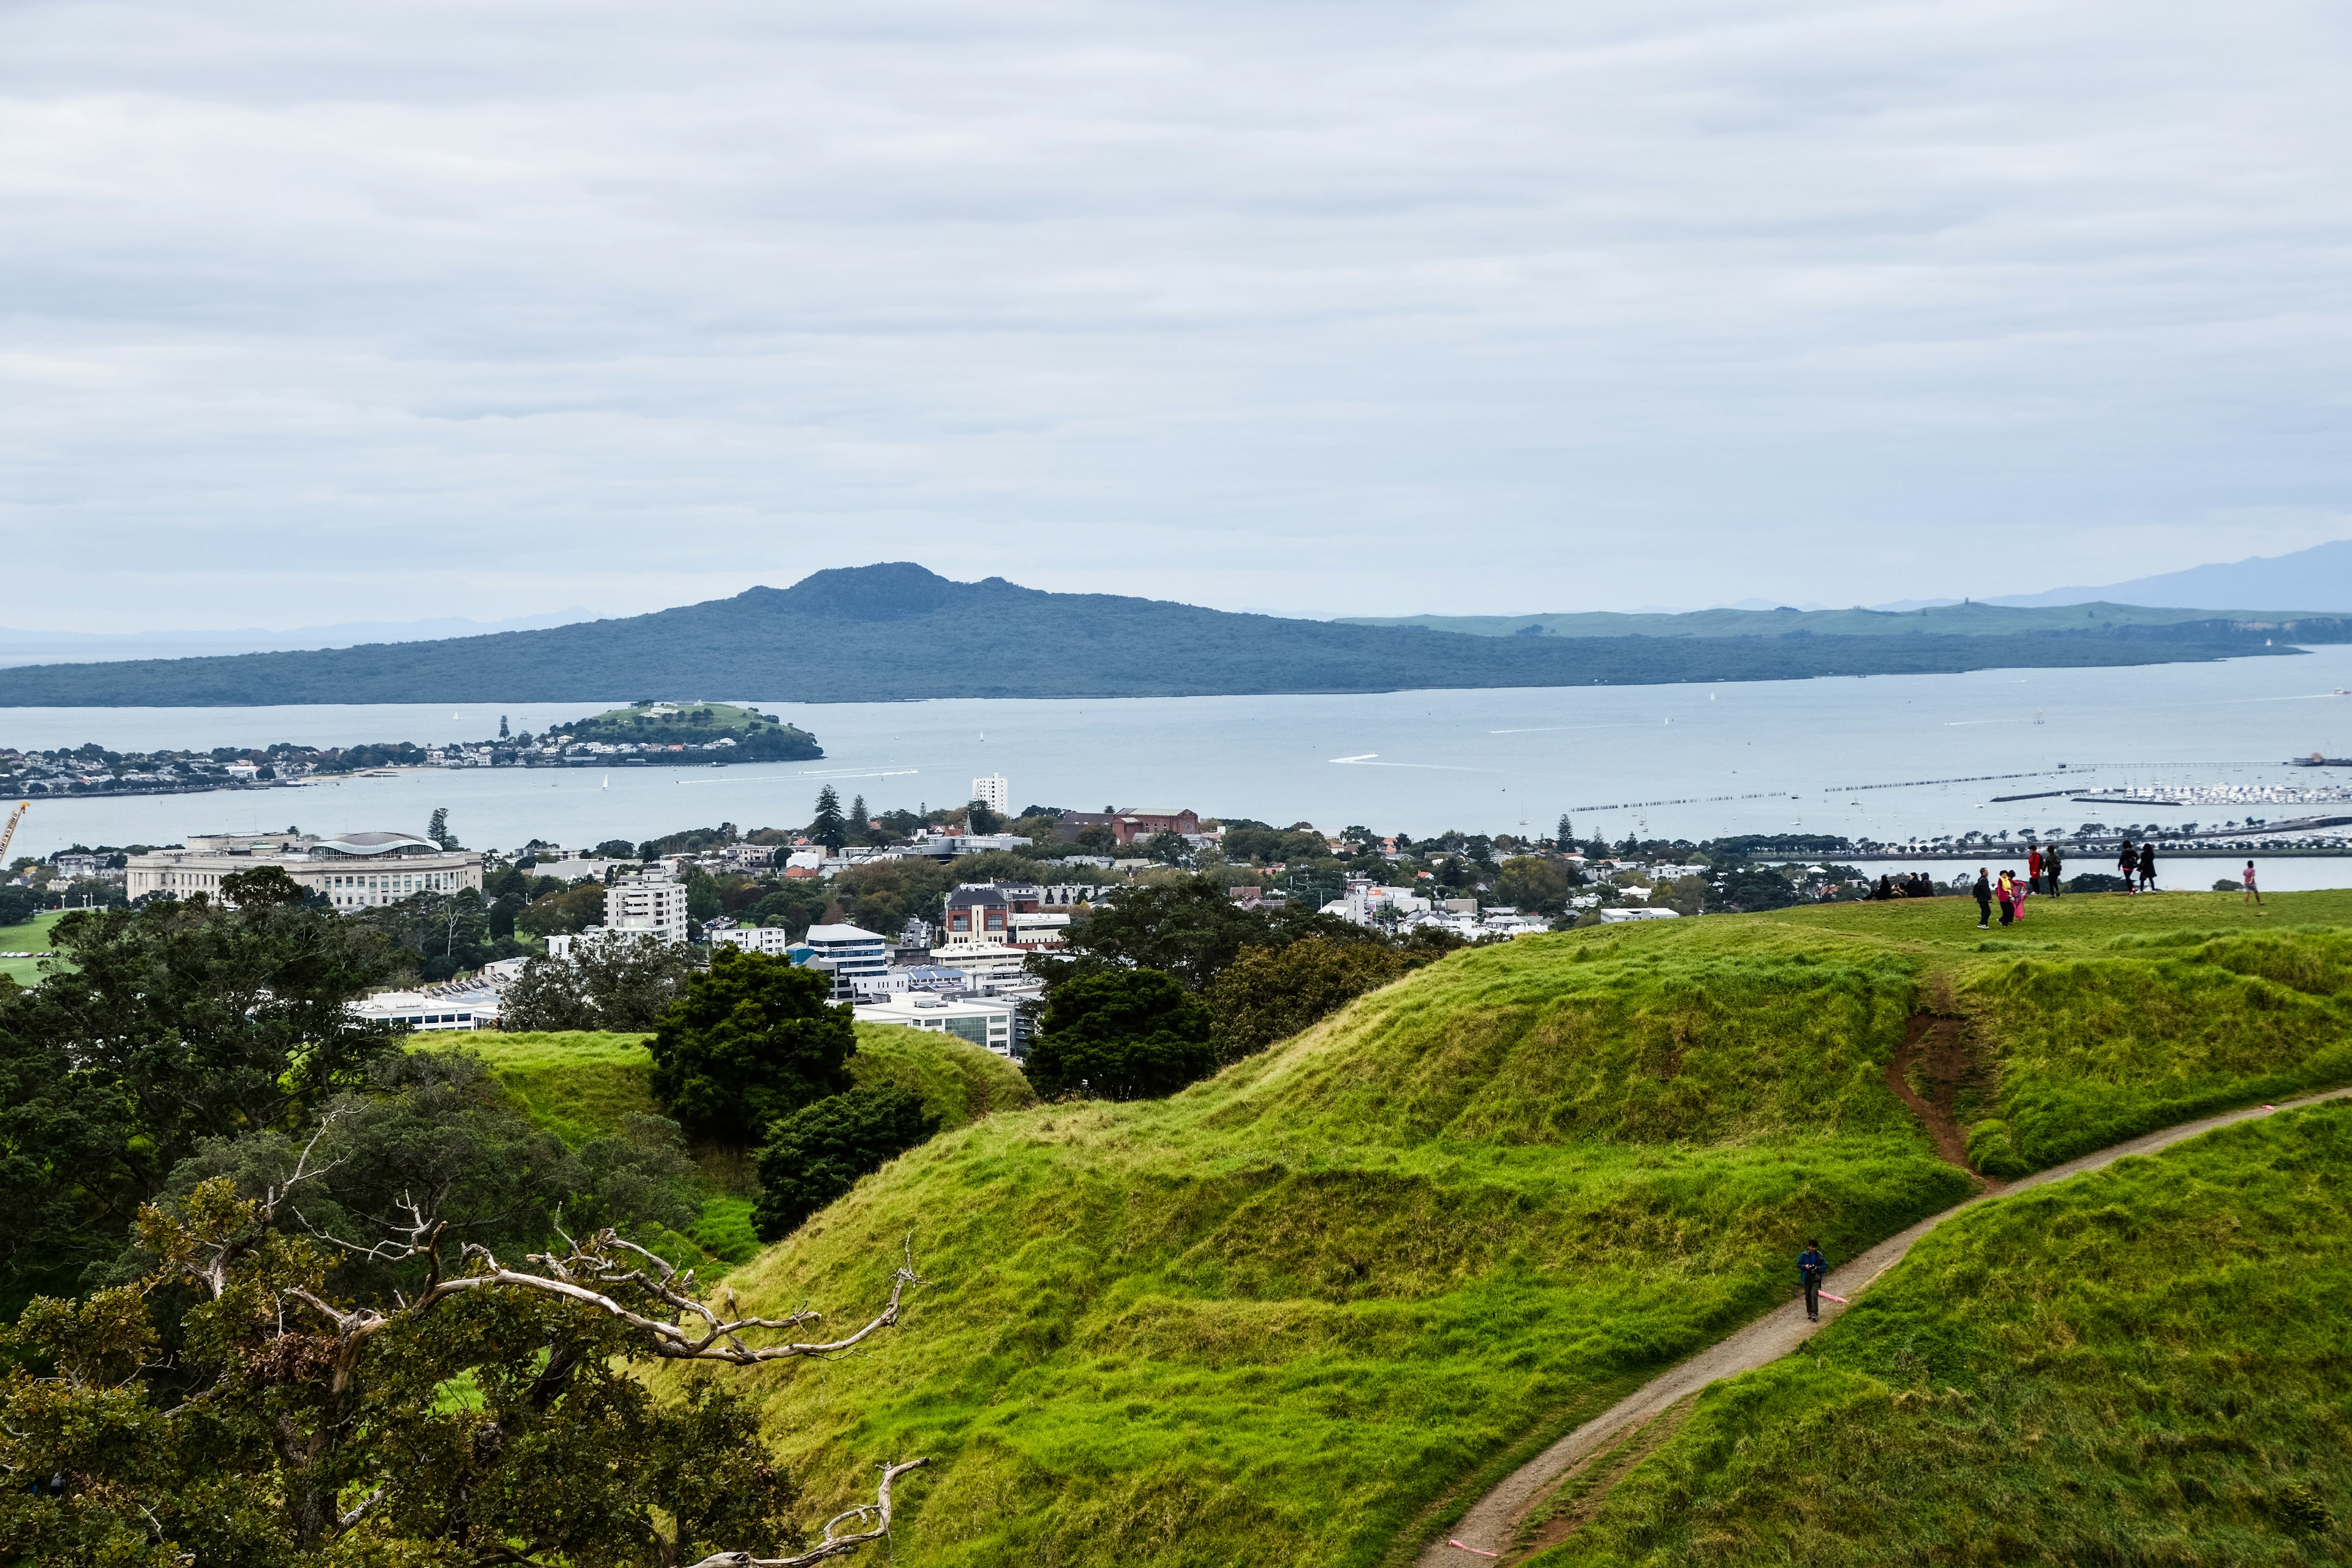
607	783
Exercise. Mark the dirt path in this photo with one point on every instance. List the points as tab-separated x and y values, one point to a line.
1934	1039
1493	1522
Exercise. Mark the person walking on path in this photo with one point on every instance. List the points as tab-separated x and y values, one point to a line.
2147	866
2049	868
1810	1267
1983	891
2253	894
2128	865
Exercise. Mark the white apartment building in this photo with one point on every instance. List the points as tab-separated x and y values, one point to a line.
652	903
773	941
993	793
846	952
984	1022
354	871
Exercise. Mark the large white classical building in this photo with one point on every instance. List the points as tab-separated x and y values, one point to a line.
354	871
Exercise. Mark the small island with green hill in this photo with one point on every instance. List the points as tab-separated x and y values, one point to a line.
745	734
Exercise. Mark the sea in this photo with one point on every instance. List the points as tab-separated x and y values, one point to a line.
1893	758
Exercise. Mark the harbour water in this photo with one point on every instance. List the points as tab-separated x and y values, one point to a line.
1887	757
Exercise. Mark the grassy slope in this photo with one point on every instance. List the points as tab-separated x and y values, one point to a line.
2142	1365
581	1086
1274	1319
31	937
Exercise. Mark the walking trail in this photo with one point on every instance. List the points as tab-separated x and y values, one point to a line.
1490	1530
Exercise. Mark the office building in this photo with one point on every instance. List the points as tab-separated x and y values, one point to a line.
993	793
845	953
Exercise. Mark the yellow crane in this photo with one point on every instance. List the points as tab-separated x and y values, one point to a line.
9	832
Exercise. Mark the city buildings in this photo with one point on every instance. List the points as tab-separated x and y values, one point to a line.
846	952
993	793
651	903
1134	825
354	871
422	1011
773	941
985	1021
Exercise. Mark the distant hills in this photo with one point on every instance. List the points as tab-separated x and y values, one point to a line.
899	632
2318	579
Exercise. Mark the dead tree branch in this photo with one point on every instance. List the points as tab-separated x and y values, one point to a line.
832	1545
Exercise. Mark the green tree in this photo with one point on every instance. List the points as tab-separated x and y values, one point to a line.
619	983
562	912
818	1152
497	1413
702	900
1270	994
1123	1033
1169	849
156	1029
753	1040
437	829
1185	927
980	818
828	828
1535	884
794	906
883	896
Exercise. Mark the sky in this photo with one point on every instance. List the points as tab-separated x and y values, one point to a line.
323	313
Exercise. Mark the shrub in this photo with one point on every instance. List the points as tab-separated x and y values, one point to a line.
1270	994
818	1152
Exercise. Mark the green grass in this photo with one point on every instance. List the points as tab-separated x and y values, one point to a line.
2142	1365
31	937
1292	1315
582	1085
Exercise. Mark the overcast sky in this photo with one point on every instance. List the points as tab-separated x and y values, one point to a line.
321	313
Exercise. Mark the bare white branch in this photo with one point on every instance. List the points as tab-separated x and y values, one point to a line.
832	1545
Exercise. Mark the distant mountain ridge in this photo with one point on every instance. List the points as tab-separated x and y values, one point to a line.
2318	579
898	632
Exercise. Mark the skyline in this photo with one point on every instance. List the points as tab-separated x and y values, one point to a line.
443	310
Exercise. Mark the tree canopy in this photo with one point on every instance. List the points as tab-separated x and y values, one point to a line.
1123	1033
751	1040
818	1152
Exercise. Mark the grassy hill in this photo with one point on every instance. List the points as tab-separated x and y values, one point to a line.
895	631
582	1085
2141	1366
1297	1313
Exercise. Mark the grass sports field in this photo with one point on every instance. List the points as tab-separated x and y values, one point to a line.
1297	1313
31	937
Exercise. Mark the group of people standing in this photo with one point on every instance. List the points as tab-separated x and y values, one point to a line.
2042	869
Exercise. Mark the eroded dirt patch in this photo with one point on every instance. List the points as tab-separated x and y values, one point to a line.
1925	1074
1581	1491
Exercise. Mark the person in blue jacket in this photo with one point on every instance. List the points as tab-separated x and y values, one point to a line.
1810	1267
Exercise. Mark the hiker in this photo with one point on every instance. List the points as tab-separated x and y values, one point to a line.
2006	891
2253	894
2127	867
1983	891
2050	866
1810	1267
2147	866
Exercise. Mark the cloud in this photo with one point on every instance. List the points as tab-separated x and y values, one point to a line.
485	308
